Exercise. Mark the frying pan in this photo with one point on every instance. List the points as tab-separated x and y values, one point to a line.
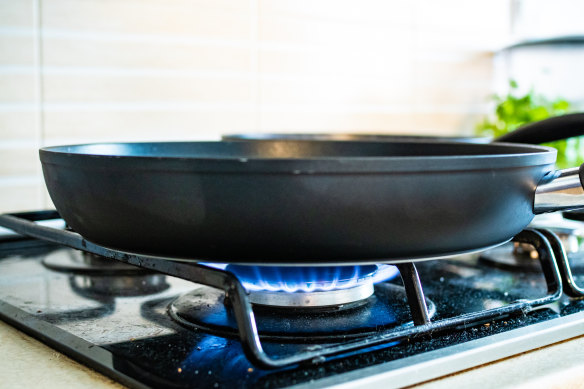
304	202
353	137
549	130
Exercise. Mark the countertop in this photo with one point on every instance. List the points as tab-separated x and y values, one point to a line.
27	362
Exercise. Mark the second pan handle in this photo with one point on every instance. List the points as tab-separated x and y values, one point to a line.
547	130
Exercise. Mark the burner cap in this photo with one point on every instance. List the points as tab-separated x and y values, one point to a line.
312	299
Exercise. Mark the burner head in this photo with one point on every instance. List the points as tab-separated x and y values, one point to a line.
207	309
569	228
515	256
93	276
310	287
521	256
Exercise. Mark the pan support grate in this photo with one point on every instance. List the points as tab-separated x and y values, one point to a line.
548	246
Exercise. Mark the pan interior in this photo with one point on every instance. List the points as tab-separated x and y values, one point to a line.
295	149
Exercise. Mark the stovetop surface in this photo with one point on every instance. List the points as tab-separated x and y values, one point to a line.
125	320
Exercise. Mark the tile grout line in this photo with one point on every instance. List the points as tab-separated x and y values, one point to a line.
414	62
255	61
38	93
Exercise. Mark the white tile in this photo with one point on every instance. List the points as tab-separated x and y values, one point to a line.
71	52
15	198
336	122
445	124
478	66
386	11
16	13
17	88
16	50
460	41
79	127
17	126
464	16
333	34
383	63
19	162
208	19
87	88
331	91
461	94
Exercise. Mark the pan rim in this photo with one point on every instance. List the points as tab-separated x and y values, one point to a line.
525	155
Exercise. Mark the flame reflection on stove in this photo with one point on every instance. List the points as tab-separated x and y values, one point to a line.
307	278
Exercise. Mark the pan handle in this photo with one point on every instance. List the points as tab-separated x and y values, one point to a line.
547	130
561	190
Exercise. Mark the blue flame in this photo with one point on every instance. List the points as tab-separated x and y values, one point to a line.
307	278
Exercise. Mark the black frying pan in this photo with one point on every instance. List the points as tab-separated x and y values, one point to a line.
292	202
368	137
549	130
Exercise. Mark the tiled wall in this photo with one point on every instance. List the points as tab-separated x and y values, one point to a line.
76	71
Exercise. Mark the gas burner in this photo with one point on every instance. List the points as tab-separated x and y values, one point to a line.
514	256
96	287
519	256
310	287
79	262
569	230
97	277
207	308
522	256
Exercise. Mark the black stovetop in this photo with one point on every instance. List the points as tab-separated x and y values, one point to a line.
120	324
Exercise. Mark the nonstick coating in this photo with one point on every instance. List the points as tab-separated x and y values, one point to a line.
296	202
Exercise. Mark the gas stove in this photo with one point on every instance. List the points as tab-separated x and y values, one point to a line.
156	322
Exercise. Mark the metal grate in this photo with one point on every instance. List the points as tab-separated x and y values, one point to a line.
546	243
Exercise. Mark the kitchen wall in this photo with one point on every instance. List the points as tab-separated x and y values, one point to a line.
551	65
76	71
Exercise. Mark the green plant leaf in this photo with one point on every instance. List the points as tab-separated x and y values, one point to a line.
513	111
